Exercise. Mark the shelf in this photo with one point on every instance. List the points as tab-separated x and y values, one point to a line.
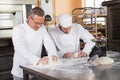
94	20
85	17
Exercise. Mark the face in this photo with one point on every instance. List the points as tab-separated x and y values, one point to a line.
35	22
65	30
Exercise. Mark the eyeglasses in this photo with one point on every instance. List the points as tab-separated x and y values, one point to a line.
37	23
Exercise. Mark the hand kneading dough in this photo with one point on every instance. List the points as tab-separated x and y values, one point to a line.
105	61
51	63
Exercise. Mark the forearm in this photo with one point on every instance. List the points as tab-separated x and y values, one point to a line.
88	47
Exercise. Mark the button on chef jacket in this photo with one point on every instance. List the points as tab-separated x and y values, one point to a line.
28	46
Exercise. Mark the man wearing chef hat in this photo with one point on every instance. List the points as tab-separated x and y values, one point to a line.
67	35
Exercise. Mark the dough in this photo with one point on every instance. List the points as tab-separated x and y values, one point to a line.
105	61
51	63
76	55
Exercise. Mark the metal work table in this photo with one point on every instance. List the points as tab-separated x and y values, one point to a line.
83	71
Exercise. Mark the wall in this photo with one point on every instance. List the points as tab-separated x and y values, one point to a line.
48	7
56	7
66	6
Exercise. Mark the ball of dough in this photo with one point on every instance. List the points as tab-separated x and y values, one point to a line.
76	55
51	63
105	61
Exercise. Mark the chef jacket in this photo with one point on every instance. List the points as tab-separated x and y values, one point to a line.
71	42
28	46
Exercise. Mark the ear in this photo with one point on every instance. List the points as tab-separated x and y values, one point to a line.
29	17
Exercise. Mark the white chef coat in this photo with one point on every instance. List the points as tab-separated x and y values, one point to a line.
71	42
28	46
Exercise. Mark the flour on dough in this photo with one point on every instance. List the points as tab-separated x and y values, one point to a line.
105	61
51	63
76	55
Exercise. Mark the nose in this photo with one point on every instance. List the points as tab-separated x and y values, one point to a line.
39	25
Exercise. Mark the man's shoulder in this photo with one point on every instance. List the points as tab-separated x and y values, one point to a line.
54	29
78	26
19	27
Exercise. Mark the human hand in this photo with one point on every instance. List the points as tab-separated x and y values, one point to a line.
82	54
68	55
43	61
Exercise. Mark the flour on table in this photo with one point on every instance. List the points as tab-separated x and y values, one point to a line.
105	61
51	63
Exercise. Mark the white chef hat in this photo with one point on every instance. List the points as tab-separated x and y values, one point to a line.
65	20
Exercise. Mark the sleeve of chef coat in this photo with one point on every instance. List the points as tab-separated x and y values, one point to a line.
21	47
49	45
87	37
53	36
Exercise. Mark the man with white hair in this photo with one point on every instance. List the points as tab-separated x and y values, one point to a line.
67	35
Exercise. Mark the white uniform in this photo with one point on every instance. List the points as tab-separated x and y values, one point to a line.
28	46
71	42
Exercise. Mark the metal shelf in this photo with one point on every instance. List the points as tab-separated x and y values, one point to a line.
92	19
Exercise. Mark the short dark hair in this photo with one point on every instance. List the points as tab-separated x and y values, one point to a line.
37	11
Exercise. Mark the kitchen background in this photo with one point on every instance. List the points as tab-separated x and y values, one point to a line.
92	14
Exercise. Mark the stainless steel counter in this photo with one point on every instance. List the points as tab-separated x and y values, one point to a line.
76	71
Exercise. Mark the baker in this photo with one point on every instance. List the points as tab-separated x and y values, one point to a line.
28	39
67	35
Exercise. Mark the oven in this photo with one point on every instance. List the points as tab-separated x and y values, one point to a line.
12	13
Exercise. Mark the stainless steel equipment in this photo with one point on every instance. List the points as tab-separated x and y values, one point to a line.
76	69
12	13
10	16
